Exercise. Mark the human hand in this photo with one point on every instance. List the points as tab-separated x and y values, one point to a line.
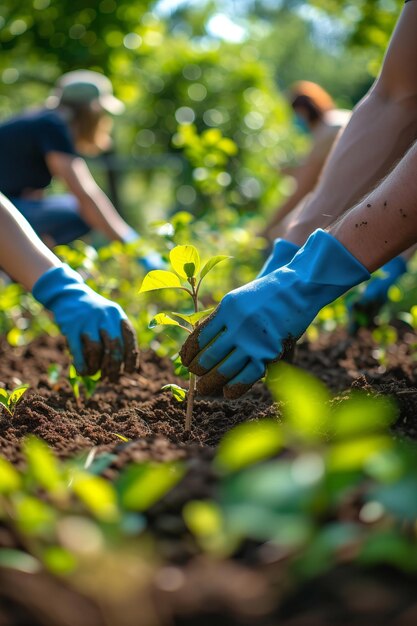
99	335
257	323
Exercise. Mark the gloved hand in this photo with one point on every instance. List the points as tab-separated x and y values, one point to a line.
97	330
367	306
152	260
282	253
253	325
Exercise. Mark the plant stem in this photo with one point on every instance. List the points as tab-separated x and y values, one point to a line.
190	403
193	378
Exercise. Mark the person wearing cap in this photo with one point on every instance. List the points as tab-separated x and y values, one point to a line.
99	335
43	144
370	181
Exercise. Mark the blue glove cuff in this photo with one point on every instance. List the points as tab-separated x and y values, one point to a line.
51	284
131	236
325	263
282	253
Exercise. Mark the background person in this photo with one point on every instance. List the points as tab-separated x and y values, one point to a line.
316	113
254	325
43	144
98	332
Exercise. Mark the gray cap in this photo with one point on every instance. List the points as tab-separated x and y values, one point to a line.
84	87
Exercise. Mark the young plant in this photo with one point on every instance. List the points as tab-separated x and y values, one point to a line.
187	276
11	399
88	383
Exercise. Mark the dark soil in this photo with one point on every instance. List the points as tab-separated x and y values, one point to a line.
153	422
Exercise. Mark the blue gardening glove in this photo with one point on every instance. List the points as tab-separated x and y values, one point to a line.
367	306
282	253
97	330
151	261
253	325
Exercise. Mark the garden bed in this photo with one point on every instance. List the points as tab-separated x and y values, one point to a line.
248	589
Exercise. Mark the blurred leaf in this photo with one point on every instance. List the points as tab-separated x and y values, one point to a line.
18	560
178	392
355	454
363	414
10	480
141	486
58	560
247	444
399	498
212	263
42	465
97	494
185	261
203	517
388	547
33	516
160	279
305	400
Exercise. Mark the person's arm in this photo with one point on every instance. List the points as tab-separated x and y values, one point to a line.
382	128
384	224
255	324
97	330
22	254
95	207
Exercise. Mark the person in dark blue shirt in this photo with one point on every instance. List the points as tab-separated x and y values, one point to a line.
39	145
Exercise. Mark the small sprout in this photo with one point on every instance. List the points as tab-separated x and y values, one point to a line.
185	261
177	392
11	399
121	437
88	383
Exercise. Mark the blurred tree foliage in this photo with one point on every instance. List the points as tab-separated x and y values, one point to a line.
171	73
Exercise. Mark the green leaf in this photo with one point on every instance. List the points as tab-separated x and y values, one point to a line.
212	263
361	414
18	560
34	516
42	465
193	318
183	258
178	392
160	279
4	396
357	453
97	494
10	480
305	401
16	394
162	319
249	443
203	517
141	486
59	560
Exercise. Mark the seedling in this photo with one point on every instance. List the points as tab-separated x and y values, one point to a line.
11	399
88	383
187	276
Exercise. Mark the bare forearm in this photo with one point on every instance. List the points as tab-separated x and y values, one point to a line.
22	254
99	213
385	223
378	135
